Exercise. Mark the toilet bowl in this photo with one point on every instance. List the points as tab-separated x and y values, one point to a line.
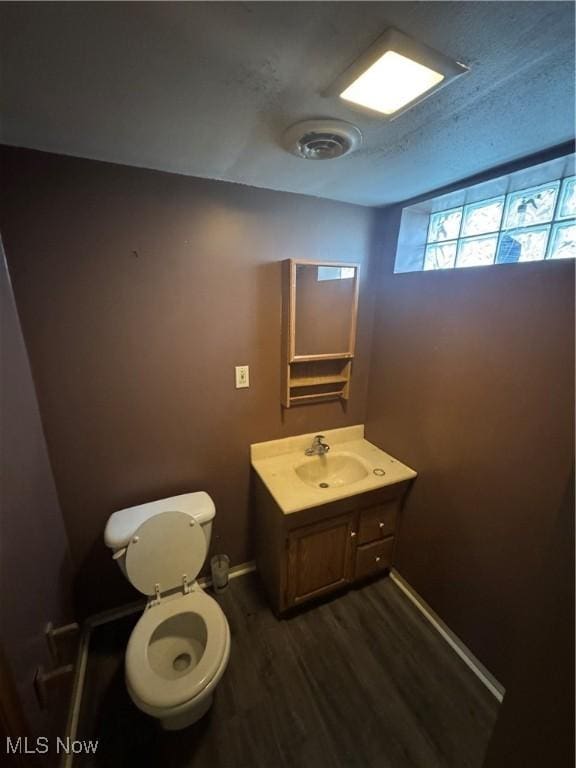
180	646
175	657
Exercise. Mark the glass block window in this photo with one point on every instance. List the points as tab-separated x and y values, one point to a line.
529	224
476	251
440	256
568	199
563	241
480	218
531	206
444	225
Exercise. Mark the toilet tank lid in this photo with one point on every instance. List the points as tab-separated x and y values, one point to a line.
122	525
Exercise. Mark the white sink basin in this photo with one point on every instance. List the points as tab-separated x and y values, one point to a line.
352	466
331	470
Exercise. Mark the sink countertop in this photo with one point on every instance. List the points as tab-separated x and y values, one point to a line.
275	462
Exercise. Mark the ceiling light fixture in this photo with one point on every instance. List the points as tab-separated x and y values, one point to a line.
394	74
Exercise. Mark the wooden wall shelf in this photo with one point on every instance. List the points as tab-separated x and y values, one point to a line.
312	381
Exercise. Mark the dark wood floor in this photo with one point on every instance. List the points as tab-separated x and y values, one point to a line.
360	681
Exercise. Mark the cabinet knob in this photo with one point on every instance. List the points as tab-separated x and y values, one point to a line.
353	534
378	559
380	525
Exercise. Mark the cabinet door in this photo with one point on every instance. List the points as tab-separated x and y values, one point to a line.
319	558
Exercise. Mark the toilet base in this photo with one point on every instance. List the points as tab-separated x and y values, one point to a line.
189	717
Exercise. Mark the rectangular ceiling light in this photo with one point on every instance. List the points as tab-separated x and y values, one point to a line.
391	83
395	73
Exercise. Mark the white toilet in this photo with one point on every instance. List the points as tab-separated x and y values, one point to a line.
180	647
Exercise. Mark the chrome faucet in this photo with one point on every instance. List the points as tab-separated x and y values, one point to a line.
318	448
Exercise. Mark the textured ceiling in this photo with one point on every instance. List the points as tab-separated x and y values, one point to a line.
207	89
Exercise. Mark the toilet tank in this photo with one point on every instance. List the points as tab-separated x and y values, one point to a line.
122	525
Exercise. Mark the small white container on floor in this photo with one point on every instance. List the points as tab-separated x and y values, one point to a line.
220	568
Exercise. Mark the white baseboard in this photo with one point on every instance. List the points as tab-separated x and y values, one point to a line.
235	571
77	691
484	675
114	613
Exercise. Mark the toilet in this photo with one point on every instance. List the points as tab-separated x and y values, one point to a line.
179	649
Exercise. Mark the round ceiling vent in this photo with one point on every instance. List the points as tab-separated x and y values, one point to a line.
322	139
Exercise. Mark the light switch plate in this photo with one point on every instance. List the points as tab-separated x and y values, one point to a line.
242	376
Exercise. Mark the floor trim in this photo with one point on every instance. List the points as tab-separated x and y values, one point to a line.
483	674
235	571
77	691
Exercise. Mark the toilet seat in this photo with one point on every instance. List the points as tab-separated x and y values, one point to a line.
155	690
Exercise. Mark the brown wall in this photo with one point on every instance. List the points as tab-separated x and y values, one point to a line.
138	292
535	727
472	385
35	569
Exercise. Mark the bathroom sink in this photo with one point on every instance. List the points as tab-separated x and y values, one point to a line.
297	481
331	470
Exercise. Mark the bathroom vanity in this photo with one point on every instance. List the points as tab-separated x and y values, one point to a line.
324	522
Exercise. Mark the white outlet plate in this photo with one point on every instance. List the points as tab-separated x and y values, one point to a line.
242	376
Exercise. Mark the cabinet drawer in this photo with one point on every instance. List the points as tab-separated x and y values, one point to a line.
371	559
377	522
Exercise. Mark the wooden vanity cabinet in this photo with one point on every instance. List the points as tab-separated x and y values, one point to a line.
309	554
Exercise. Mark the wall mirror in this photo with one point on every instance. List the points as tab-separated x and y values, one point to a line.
325	302
319	328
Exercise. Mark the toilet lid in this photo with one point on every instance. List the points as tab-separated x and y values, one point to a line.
164	549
